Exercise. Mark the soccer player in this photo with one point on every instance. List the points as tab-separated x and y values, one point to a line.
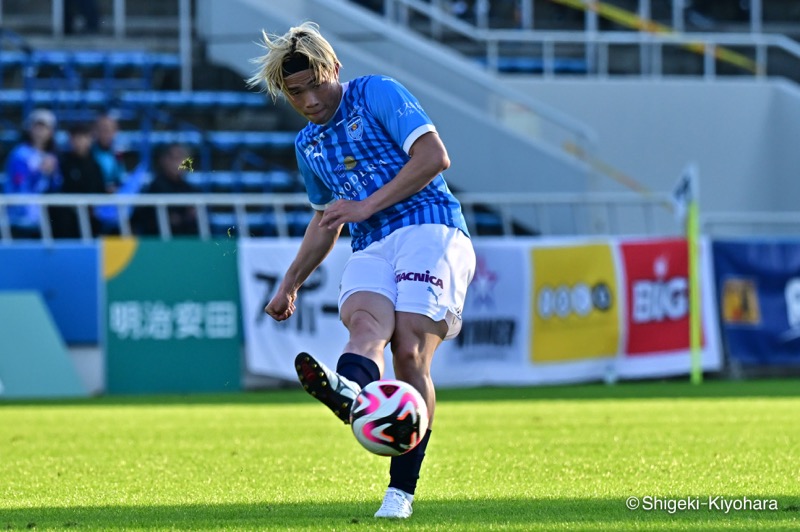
370	157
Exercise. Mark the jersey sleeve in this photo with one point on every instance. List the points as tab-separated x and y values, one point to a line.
397	110
319	195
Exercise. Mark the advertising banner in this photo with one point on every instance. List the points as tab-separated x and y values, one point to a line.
66	275
759	296
538	311
171	316
494	338
314	327
574	303
656	280
657	289
491	348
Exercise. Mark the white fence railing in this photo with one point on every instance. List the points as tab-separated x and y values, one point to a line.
545	214
553	214
752	223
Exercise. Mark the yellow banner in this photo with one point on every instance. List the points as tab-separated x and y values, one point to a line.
574	305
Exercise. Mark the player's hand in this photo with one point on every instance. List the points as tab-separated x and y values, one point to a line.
344	211
281	307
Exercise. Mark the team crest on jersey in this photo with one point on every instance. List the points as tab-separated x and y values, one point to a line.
355	127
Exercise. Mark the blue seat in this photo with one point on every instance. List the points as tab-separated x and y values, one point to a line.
89	58
193	138
488	223
94	58
51	57
280	181
221	222
535	65
298	221
227	140
223	181
12	57
53	98
117	84
204	99
261	223
199	180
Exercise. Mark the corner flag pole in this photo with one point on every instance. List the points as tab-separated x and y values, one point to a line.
686	199
695	313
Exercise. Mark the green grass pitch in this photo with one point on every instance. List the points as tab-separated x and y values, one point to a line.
548	458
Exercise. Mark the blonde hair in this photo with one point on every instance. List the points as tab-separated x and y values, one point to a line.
304	39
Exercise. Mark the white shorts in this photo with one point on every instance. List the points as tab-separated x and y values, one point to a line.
423	269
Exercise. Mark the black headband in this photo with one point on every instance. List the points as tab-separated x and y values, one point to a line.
294	63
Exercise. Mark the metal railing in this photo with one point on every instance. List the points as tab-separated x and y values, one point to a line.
736	224
551	214
544	214
676	16
598	45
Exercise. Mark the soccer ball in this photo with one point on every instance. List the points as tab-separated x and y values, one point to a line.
389	417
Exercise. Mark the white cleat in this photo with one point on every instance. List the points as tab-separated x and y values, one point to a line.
396	504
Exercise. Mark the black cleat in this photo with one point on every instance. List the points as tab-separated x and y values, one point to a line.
328	387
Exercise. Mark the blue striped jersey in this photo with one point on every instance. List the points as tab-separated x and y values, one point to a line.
362	148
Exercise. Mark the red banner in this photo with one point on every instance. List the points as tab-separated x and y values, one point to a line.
657	288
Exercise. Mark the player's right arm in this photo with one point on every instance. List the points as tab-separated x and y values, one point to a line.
317	243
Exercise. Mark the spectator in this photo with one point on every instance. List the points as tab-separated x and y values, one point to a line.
104	151
32	168
115	177
170	178
81	175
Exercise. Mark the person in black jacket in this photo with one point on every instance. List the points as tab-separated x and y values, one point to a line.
172	163
80	175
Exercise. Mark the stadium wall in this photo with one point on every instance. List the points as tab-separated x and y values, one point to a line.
742	134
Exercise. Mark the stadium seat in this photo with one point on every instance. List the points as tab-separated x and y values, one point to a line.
534	65
203	99
53	98
298	220
227	140
260	223
133	138
488	223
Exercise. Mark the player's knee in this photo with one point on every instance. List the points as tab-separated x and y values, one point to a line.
364	324
408	357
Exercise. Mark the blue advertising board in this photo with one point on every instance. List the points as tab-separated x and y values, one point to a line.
68	278
758	287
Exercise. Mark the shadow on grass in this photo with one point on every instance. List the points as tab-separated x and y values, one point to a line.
667	389
523	514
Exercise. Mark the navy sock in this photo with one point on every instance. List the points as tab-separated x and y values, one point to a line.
404	471
358	369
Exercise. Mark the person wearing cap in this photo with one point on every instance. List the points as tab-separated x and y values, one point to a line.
32	168
370	157
81	174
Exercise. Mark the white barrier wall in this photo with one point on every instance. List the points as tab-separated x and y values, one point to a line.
537	312
741	133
